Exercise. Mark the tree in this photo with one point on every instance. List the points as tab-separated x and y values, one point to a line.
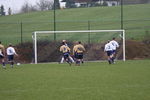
70	4
44	5
28	8
25	8
57	5
2	10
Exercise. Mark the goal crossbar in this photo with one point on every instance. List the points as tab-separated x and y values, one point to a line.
34	37
78	31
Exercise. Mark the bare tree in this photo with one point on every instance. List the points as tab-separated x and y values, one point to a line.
28	8
25	7
44	5
2	10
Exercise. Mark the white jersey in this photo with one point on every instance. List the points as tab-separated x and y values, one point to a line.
114	44
11	51
108	47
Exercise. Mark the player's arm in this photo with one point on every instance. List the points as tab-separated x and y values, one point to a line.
74	49
15	52
105	49
117	45
68	49
60	49
83	48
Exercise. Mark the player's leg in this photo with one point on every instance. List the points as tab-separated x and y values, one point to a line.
62	60
113	56
109	54
10	60
67	59
82	58
71	59
79	57
75	57
3	61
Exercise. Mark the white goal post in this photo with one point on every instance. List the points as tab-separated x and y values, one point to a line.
34	37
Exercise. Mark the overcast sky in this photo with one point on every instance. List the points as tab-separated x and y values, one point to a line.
15	5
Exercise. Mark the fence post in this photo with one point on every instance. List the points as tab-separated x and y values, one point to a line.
54	20
121	14
21	32
89	37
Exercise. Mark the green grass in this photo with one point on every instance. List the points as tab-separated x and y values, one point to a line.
92	81
136	21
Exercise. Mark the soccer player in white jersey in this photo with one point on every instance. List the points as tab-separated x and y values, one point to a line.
115	45
10	54
62	59
108	49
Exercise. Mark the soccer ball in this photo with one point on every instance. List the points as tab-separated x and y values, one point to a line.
18	64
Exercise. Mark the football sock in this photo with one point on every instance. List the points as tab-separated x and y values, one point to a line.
3	63
62	60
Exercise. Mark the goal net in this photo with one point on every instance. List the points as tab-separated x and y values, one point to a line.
46	43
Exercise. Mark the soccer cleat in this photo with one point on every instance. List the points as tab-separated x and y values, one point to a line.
82	62
4	67
109	62
70	64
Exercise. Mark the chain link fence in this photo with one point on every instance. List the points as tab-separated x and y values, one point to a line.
22	32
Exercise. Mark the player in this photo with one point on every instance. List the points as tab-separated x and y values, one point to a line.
74	52
2	55
78	53
115	45
10	54
65	50
62	59
109	50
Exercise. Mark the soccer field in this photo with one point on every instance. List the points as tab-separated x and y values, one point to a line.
128	80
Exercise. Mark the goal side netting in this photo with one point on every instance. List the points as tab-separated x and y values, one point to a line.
94	38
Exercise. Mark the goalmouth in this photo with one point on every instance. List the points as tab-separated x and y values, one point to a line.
34	37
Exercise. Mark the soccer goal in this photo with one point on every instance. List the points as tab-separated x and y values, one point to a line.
88	36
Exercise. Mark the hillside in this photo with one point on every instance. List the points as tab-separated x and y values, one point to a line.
136	21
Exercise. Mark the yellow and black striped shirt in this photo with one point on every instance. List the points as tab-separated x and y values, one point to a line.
2	49
64	49
78	48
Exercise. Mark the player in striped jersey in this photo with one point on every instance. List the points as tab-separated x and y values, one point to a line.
2	55
62	59
78	51
66	52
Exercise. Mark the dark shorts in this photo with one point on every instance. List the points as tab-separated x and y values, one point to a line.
114	51
66	55
1	56
79	55
109	53
10	57
75	55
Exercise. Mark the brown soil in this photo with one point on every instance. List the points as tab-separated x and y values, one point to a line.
49	51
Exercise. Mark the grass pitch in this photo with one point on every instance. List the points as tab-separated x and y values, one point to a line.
128	80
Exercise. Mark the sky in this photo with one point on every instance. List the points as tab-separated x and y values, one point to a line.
15	5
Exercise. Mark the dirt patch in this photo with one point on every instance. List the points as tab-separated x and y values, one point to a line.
49	51
137	50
